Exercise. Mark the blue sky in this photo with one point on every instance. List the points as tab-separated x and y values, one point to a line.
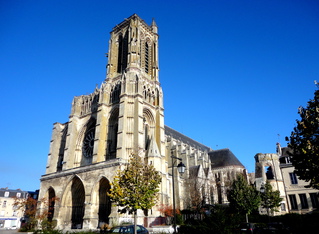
233	72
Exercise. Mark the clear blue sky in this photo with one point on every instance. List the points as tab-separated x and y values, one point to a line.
233	72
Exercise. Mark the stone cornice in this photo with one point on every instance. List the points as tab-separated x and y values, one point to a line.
73	171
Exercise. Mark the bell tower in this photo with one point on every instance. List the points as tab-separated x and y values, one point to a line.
135	96
124	116
133	45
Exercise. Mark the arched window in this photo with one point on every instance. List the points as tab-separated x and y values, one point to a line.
146	135
62	148
269	173
122	53
115	94
51	204
112	135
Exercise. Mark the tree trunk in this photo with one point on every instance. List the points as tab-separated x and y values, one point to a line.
247	218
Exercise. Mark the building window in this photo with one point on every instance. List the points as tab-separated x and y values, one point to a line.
18	194
293	178
303	200
293	202
2	213
6	194
269	173
314	200
283	206
4	204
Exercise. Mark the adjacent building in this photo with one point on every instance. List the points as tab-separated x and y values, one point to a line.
10	215
300	199
279	171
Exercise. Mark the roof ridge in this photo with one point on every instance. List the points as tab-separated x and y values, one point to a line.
188	138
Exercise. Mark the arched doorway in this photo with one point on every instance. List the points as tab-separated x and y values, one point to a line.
104	202
51	204
78	199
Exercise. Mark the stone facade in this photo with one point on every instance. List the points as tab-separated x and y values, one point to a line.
268	169
124	116
299	198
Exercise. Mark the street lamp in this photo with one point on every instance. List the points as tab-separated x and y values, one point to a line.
181	169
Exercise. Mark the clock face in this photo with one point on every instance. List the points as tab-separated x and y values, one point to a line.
88	143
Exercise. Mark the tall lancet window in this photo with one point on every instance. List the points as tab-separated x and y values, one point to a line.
112	135
146	134
146	58
122	53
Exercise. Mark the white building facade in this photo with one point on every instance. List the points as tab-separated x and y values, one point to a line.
10	215
277	169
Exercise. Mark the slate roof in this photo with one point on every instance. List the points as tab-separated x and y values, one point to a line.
223	158
218	158
179	136
12	192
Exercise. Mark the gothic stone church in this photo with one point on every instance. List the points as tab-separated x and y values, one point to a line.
124	116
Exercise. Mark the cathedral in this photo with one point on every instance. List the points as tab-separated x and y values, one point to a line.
125	116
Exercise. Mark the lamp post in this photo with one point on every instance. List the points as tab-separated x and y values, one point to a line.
181	169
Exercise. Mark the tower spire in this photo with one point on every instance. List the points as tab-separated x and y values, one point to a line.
154	26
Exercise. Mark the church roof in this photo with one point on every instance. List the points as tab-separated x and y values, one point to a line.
179	136
223	158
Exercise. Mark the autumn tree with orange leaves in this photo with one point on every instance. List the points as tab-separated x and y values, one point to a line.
35	218
167	210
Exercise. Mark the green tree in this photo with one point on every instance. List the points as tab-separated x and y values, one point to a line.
304	142
243	197
270	200
135	187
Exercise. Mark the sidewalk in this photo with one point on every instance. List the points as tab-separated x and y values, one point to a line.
5	231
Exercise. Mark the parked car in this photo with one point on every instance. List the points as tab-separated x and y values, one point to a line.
277	228
129	229
246	228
